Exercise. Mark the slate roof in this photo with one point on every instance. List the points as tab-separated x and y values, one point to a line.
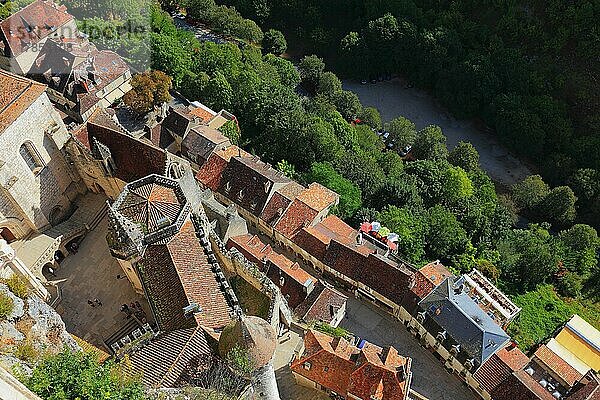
499	367
250	183
368	373
557	365
588	390
149	158
166	359
59	65
16	95
30	25
320	303
464	321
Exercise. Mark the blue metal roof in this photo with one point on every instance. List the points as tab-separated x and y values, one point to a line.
464	321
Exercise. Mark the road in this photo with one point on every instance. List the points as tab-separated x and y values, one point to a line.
430	378
393	99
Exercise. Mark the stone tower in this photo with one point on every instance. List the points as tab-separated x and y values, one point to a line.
259	339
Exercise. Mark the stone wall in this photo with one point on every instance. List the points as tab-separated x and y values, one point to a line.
45	194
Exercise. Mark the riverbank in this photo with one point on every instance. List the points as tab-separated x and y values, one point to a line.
393	99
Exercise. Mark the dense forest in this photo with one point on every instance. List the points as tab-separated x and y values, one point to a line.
441	204
528	69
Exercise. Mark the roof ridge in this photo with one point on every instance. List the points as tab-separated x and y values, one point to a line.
179	355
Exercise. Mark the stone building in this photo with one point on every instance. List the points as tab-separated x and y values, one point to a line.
37	182
80	77
161	241
23	34
345	371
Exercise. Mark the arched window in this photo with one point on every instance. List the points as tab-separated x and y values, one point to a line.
31	157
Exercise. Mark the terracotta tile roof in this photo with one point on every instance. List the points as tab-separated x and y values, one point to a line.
556	364
251	247
211	172
335	364
520	386
295	217
589	389
16	95
202	113
275	208
171	358
32	24
291	190
499	367
290	268
318	197
177	274
250	183
428	277
320	303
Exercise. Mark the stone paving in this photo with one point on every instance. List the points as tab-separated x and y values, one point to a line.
91	274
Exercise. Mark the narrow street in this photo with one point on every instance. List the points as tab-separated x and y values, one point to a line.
430	378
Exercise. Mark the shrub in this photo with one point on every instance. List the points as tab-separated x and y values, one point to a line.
17	286
331	331
6	305
26	352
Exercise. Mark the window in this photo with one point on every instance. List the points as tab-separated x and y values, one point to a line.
31	157
307	366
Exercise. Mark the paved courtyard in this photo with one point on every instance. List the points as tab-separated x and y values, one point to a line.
90	274
429	376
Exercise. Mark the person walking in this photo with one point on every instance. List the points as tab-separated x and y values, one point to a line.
91	303
98	302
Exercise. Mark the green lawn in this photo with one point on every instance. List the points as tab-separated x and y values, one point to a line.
543	311
252	301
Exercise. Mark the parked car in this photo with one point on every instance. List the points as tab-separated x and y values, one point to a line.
404	152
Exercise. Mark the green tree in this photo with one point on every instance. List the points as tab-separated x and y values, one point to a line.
411	229
218	92
274	42
445	235
558	206
586	183
350	195
465	156
169	56
430	144
456	185
231	131
402	131
329	85
347	103
530	192
288	169
371	117
70	375
288	75
311	68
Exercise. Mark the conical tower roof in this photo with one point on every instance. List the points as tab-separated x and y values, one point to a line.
252	334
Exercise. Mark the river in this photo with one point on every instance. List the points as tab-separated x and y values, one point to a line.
393	99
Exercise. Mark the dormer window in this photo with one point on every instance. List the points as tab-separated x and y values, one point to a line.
240	195
267	186
227	187
307	365
253	206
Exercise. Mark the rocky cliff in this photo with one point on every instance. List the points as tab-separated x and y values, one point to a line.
32	328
